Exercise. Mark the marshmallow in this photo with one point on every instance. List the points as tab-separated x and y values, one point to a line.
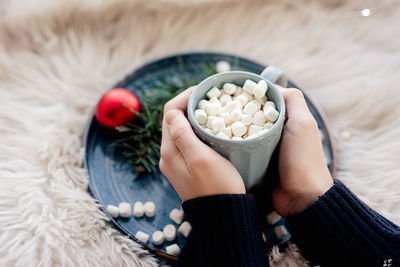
261	88
142	236
125	209
213	92
185	229
268	125
225	109
202	104
217	124
173	250
238	128
261	100
236	138
239	91
210	120
280	231
250	108
249	86
273	217
222	135
169	232
176	215
113	210
230	88
200	116
271	114
227	131
345	135
214	100
150	209
226	116
255	102
259	118
236	114
157	238
247	119
269	104
255	129
213	108
262	132
223	66
243	99
224	98
138	209
233	105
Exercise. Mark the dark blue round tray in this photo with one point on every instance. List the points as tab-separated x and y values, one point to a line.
112	181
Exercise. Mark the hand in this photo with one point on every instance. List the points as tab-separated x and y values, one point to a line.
304	175
193	168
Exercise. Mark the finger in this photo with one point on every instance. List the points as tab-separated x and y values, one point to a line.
296	106
180	101
182	135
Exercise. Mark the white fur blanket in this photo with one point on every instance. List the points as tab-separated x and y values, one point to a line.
58	57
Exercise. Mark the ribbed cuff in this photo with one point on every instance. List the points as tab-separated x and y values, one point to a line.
226	230
340	230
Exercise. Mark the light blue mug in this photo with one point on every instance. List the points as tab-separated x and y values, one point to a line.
251	156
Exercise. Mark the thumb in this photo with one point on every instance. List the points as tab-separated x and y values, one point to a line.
182	134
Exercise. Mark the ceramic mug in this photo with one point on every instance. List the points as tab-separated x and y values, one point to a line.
251	156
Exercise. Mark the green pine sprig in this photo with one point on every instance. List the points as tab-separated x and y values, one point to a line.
141	139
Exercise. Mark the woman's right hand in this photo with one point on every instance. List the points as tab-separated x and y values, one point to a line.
304	175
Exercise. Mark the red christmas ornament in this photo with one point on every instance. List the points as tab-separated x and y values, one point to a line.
115	108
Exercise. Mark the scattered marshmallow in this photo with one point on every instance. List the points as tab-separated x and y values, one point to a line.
169	232
125	209
249	86
273	217
200	116
280	231
113	210
173	250
261	88
223	66
176	215
238	128
185	228
271	114
138	209
158	238
142	236
214	92
150	209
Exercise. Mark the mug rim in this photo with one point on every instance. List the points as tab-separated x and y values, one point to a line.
194	123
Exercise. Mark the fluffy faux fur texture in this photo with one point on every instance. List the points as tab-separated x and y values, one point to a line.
58	57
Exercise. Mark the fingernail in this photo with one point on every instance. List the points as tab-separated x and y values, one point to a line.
171	116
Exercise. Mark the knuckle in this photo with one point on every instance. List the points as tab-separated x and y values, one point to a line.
296	92
163	152
200	163
162	165
308	122
167	106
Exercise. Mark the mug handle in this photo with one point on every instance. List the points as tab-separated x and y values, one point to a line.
275	75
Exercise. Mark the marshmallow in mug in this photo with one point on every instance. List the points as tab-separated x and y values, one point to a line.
237	113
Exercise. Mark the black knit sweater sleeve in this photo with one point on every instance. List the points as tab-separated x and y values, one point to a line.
226	231
340	230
